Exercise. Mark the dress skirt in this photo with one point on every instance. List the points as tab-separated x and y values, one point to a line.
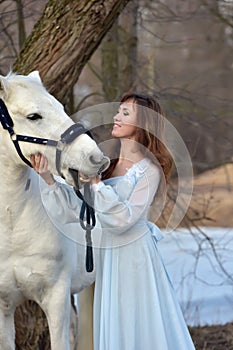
135	304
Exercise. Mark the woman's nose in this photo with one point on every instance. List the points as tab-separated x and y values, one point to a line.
116	117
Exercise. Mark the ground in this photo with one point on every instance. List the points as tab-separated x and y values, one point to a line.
213	337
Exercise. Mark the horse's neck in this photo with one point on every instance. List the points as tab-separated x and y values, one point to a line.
14	180
13	176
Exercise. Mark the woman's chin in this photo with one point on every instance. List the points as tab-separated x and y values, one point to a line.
114	133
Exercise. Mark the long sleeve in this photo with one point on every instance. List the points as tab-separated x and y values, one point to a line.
61	202
125	205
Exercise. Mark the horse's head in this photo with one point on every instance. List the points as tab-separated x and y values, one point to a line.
36	113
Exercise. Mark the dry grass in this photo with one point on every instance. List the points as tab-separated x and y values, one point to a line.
31	328
213	337
213	197
211	203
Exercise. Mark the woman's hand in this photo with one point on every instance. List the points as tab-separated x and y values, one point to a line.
40	165
95	179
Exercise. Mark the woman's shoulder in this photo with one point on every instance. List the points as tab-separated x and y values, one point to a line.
144	165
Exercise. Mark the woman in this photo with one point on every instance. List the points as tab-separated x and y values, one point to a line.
135	307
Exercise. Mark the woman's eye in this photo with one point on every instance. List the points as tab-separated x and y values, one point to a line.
126	113
34	116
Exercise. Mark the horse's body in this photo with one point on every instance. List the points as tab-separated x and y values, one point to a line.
36	261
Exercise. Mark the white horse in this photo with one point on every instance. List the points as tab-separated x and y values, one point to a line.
36	261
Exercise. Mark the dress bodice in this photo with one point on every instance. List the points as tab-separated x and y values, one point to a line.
124	185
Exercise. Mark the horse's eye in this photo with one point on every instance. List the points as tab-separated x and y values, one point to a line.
34	116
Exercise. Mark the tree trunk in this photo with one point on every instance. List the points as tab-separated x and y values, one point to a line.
119	55
128	39
109	64
21	23
64	39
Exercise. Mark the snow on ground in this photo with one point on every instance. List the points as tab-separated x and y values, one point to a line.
200	265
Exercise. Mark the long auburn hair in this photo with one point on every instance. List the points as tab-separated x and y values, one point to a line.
150	130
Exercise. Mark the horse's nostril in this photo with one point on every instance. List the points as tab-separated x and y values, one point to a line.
106	161
103	162
105	165
102	168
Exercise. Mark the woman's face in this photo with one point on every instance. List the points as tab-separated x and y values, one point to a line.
125	121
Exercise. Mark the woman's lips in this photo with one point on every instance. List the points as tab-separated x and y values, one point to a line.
116	125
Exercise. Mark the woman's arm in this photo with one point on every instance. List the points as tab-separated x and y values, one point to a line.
60	200
119	215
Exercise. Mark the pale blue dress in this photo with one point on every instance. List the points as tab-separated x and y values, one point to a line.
135	307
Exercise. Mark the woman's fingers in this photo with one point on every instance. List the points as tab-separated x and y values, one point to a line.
32	160
39	163
43	165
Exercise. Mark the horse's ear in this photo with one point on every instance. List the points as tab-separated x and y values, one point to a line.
4	86
35	75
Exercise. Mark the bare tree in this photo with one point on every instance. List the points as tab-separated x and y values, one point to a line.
21	23
64	39
119	55
128	47
110	64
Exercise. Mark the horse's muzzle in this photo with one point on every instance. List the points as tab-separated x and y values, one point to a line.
79	178
105	164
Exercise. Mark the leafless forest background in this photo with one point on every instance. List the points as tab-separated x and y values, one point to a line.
182	52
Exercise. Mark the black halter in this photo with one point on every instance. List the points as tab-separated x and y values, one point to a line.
66	138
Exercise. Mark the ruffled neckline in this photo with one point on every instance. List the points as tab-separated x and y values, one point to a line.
137	168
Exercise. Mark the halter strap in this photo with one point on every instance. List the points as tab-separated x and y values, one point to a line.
67	137
5	118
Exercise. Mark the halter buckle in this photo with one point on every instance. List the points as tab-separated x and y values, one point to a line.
13	136
60	145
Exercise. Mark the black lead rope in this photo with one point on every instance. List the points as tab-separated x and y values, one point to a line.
87	212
